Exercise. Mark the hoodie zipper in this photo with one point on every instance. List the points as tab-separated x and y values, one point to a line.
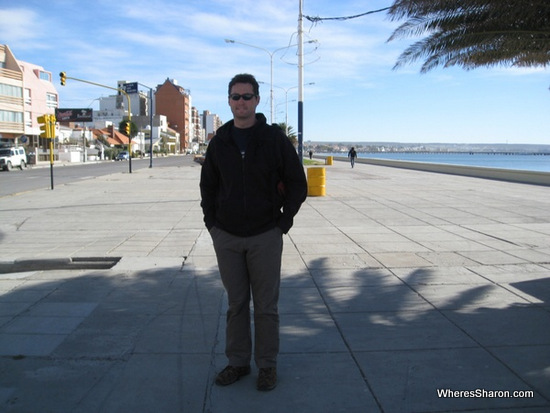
245	205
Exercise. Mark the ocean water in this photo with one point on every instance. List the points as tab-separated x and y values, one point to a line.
527	162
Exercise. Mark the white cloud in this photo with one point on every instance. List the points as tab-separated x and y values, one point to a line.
20	26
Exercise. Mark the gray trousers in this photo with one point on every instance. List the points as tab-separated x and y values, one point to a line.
251	265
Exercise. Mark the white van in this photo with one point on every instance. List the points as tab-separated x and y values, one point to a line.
13	157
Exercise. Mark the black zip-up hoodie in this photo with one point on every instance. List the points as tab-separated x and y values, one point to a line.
250	195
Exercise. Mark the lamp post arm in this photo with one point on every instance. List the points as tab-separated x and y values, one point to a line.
249	45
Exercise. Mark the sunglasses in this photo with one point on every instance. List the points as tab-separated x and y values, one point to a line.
246	96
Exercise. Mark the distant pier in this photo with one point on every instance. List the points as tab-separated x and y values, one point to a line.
461	152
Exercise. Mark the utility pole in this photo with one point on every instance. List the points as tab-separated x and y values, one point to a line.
300	84
150	123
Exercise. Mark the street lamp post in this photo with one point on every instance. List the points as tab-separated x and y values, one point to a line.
286	99
300	82
270	53
150	123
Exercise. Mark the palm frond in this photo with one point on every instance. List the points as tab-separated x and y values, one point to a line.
472	33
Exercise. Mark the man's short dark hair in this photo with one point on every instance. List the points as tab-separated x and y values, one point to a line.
244	78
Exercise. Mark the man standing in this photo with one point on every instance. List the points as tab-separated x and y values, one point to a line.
252	185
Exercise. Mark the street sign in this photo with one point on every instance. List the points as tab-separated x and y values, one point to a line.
130	87
74	115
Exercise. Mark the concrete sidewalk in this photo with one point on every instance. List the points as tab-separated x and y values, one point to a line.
399	287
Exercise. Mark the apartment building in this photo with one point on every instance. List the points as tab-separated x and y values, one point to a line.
12	108
40	97
210	123
174	102
198	130
114	108
26	92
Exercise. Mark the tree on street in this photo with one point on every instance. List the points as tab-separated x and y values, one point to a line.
474	33
290	132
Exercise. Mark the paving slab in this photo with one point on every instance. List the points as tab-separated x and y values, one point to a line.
325	382
409	381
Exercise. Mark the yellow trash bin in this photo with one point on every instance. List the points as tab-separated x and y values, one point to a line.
328	160
316	182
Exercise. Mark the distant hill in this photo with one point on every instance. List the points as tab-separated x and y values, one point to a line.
425	147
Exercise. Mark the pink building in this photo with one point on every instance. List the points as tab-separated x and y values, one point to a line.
26	92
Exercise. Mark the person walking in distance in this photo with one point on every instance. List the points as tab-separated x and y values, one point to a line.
352	154
252	185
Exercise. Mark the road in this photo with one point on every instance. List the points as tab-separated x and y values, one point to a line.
39	177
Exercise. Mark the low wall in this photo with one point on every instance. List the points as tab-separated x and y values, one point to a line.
510	175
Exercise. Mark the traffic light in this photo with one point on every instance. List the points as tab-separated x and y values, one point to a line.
62	78
52	126
44	122
47	126
127	128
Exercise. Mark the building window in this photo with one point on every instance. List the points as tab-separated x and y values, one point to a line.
28	100
45	76
9	116
51	100
10	90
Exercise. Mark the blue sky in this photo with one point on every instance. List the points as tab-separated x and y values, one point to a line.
356	96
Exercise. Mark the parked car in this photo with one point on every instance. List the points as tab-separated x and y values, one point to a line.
122	156
13	157
199	158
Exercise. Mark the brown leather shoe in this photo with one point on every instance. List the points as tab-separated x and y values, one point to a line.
267	379
231	374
